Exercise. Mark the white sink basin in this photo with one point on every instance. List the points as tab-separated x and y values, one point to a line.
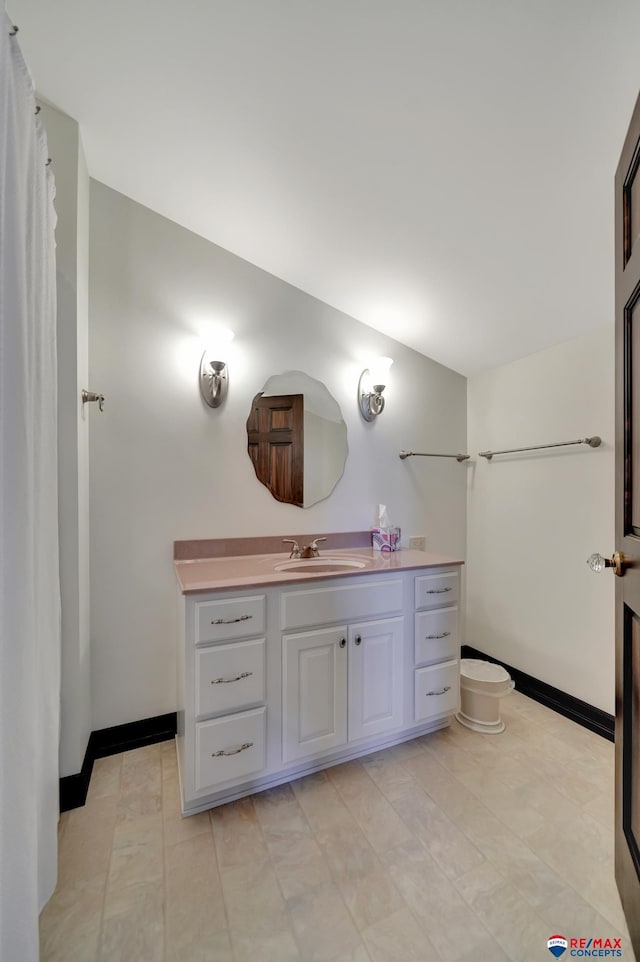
318	565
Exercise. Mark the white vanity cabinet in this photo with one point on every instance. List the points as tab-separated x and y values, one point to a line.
437	645
283	681
340	685
314	692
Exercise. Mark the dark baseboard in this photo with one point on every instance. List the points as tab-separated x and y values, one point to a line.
112	741
579	711
149	731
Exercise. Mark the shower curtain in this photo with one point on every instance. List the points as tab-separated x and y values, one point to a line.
29	579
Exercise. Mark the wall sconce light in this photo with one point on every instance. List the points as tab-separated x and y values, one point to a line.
372	383
214	375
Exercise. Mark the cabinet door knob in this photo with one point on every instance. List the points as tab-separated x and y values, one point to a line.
343	642
358	639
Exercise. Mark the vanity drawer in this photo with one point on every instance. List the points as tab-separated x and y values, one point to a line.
437	690
436	635
437	589
229	677
229	618
240	740
322	606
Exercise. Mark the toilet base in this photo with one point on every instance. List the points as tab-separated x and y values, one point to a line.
489	728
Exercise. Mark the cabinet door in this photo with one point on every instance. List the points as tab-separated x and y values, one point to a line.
314	685
376	659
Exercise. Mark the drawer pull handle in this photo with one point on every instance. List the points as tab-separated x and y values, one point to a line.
438	591
227	681
232	621
358	639
445	634
441	692
343	642
235	751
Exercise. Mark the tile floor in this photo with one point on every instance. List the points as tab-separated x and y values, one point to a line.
455	847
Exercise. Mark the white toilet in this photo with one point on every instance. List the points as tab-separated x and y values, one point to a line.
482	685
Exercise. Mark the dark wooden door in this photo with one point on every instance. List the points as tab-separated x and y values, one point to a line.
627	808
275	432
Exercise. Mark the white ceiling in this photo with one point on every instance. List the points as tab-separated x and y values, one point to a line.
439	169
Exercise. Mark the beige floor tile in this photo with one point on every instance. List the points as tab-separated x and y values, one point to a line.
537	882
440	785
133	926
399	938
279	947
197	944
347	851
141	770
572	915
507	805
602	807
137	851
237	834
601	891
253	901
322	924
365	885
70	922
446	919
370	897
513	923
357	954
375	815
85	847
322	805
105	777
298	863
490	951
444	841
454	758
280	816
480	881
350	779
195	909
497	843
62	824
177	828
390	776
457	845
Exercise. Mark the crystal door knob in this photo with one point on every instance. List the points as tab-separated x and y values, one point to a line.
596	562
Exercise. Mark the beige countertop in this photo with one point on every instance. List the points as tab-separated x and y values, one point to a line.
260	571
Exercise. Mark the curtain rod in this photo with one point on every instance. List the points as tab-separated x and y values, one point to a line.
593	442
422	454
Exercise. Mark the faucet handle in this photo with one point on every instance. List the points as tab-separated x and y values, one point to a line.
314	544
295	550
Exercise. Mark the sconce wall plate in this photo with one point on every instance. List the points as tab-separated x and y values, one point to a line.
214	381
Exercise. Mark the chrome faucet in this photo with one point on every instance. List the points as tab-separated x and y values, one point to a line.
311	550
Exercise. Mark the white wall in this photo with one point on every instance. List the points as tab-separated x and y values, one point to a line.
72	252
534	519
166	467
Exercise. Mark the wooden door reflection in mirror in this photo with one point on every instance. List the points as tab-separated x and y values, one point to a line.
275	435
297	439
